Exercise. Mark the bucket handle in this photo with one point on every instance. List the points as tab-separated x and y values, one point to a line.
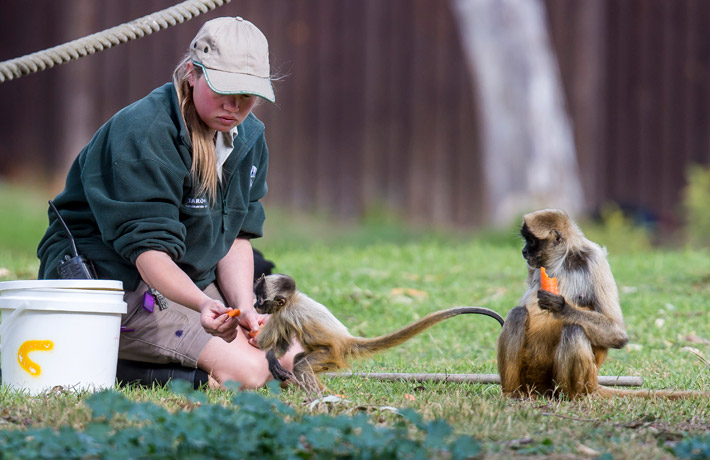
7	321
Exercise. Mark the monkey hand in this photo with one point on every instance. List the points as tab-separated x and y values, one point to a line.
275	367
554	303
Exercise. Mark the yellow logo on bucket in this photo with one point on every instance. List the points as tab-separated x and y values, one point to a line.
28	346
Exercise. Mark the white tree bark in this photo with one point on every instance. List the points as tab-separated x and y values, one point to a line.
529	157
76	82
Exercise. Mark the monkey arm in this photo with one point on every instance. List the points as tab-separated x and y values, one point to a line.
272	339
601	330
275	334
276	345
281	346
275	367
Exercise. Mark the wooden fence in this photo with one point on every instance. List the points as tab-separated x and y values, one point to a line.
637	76
376	106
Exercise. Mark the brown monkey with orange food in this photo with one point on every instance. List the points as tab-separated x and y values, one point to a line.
555	342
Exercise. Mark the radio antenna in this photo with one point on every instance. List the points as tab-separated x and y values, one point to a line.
66	229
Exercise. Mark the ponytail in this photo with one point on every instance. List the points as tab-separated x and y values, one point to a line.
204	157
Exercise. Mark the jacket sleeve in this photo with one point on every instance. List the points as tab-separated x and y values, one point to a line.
254	220
135	191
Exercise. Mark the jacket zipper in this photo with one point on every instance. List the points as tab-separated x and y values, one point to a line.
224	207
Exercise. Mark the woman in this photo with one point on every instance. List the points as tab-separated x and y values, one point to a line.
165	198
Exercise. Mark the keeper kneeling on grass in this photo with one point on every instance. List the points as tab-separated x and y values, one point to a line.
166	198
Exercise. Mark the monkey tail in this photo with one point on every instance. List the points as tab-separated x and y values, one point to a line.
650	394
366	346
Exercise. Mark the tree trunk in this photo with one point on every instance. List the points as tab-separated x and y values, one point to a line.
76	89
529	157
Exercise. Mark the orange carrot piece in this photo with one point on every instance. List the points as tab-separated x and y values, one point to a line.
547	283
234	313
253	334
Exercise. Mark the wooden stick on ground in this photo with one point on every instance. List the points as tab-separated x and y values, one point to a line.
623	381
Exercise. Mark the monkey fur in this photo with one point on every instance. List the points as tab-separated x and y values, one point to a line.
554	344
327	344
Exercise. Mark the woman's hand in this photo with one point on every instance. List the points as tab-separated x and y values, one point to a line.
160	272
215	321
252	321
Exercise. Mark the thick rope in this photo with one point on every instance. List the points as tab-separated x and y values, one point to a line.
100	41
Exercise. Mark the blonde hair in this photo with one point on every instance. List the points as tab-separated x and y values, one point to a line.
204	157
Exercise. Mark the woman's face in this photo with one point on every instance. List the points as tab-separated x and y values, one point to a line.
219	112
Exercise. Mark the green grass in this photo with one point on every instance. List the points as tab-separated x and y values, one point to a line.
380	275
23	219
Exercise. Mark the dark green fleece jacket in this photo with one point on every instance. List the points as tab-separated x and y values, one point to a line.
130	190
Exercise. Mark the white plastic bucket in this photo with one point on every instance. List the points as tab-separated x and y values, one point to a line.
60	333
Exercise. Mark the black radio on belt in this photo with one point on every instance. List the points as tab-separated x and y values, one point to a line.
73	266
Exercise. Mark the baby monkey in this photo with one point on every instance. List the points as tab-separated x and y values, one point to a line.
552	343
327	344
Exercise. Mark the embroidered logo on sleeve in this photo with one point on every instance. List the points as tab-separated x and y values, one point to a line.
196	203
252	176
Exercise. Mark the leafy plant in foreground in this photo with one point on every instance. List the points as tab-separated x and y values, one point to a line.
252	426
695	448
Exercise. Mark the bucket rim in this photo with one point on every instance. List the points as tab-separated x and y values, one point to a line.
106	285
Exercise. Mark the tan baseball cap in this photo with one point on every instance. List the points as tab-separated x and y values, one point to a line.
234	55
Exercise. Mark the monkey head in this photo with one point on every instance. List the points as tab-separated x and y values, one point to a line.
273	292
547	233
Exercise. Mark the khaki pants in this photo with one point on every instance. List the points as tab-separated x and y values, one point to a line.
173	335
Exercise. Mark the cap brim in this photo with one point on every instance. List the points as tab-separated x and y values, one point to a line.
222	82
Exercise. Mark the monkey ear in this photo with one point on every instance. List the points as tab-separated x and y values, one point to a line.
558	235
280	300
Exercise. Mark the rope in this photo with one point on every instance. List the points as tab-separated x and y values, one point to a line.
41	60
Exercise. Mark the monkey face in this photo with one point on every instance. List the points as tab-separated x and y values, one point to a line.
269	306
543	234
533	249
272	292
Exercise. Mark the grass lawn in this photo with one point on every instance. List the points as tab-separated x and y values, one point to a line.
378	276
